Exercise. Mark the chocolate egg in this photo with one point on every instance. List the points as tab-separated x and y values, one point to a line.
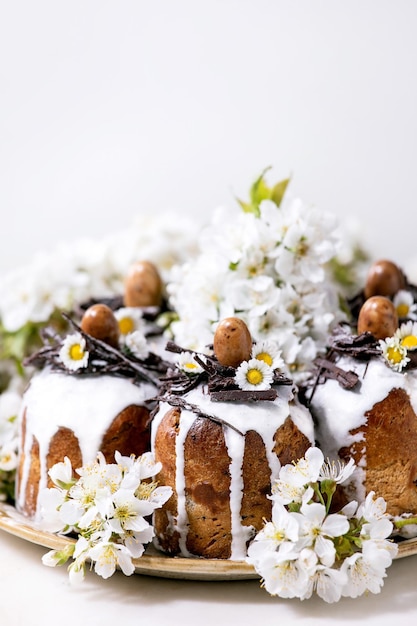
384	279
232	342
379	317
99	322
143	285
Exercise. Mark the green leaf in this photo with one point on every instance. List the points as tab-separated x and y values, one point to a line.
14	345
278	191
245	206
328	487
62	556
260	191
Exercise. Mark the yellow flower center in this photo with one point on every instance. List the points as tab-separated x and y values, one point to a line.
279	535
126	325
409	342
145	490
123	512
107	555
254	377
190	366
402	310
76	352
394	355
264	356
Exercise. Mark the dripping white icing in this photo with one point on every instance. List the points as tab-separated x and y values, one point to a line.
186	421
86	405
264	418
339	411
235	444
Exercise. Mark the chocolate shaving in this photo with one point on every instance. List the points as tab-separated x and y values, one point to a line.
238	395
328	369
281	379
103	359
176	401
226	390
220	380
363	346
171	346
179	383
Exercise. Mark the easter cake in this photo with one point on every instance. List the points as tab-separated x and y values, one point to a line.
363	392
224	425
94	391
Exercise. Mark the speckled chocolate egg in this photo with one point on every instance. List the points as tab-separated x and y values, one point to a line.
384	278
143	285
99	322
232	342
379	317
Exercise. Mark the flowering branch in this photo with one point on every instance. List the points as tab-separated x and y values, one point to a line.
307	548
107	507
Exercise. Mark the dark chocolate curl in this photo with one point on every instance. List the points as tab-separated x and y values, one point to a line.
328	369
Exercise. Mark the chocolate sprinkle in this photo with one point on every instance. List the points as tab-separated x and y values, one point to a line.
363	346
220	380
328	369
238	395
175	401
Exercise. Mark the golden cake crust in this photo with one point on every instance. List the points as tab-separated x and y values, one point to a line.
129	433
208	482
389	449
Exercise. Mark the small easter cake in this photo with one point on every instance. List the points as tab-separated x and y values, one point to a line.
224	425
363	393
94	392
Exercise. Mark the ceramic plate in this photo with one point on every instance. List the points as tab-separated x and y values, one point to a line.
154	563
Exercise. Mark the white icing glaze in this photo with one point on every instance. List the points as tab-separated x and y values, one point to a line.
339	411
187	420
263	417
86	405
235	444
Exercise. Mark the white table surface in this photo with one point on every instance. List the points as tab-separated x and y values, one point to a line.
32	593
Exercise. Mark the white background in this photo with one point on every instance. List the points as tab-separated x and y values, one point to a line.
109	109
113	108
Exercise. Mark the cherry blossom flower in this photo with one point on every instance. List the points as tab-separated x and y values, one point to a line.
270	266
283	527
328	583
137	344
295	477
317	529
108	556
307	549
337	471
108	507
282	573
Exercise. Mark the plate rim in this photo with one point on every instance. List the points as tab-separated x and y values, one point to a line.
154	563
